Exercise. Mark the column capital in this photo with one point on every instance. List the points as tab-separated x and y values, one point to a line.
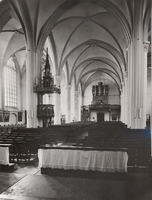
146	46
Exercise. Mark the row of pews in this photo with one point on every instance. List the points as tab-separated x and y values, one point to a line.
9	128
26	141
117	135
23	146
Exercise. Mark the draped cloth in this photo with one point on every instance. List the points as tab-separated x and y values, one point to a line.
104	161
4	155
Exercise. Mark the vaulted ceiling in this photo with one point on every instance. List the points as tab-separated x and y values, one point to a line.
88	38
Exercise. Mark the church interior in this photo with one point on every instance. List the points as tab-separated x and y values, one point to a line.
75	99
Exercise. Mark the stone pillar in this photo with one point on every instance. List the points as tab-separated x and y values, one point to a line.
57	109
1	86
31	98
126	97
135	72
150	164
79	106
82	104
38	69
144	69
38	75
121	117
76	106
122	102
82	100
130	80
57	106
68	103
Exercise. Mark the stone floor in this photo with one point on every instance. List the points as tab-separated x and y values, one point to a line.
26	182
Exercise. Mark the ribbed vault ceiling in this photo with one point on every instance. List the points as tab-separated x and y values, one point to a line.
89	37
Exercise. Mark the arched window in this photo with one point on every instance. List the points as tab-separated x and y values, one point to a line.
10	83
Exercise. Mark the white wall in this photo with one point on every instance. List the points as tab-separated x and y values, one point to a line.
93	114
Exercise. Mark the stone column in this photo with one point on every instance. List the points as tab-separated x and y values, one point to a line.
38	74
122	102
68	103
79	112
126	97
82	104
2	94
82	100
31	97
136	78
144	69
150	163
76	105
121	117
38	69
130	80
21	96
151	94
57	106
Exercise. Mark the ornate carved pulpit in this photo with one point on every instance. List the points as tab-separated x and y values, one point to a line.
45	86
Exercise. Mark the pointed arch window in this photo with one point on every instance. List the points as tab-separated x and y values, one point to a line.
10	84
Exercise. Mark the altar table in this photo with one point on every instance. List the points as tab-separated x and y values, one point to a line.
84	158
4	154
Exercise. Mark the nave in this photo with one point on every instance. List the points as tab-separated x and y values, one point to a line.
27	183
25	180
65	66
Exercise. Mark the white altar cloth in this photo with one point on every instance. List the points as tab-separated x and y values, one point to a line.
4	155
105	161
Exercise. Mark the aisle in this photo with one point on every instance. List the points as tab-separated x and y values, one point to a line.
110	186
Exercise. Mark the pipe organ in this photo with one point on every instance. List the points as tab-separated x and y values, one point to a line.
100	94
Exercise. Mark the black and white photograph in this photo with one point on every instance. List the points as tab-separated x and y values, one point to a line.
19	116
6	115
75	100
1	116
